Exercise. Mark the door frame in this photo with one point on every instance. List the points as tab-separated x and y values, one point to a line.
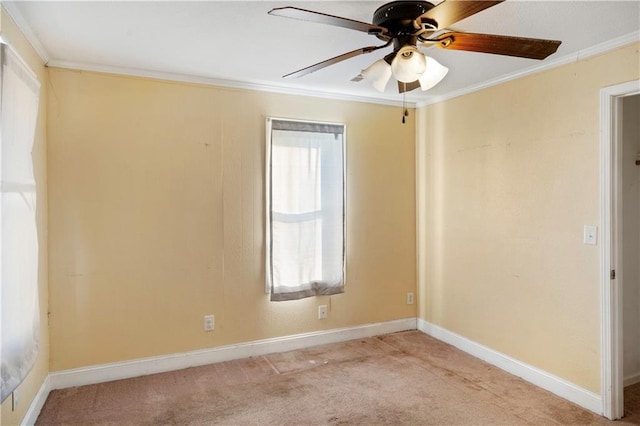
612	379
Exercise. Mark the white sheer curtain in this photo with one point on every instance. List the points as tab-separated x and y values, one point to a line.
19	95
305	209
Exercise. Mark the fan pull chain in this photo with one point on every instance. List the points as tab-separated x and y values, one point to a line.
405	111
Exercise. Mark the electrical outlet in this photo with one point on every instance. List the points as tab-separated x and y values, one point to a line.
209	322
322	312
14	400
409	298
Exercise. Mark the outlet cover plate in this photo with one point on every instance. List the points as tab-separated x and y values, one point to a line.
322	312
409	298
209	322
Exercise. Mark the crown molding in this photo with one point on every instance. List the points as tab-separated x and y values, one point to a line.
15	14
209	81
23	26
563	60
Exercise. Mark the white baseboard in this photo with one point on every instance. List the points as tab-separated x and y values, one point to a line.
38	402
554	384
632	379
159	364
144	366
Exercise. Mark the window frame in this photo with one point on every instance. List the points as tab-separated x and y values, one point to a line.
267	174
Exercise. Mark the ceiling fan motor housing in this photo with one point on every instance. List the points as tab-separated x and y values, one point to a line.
398	17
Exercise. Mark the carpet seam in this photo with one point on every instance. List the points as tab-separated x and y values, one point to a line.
272	366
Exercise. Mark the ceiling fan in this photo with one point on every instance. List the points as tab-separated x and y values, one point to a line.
409	24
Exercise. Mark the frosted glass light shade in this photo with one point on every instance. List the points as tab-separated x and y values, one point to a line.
378	74
433	74
408	65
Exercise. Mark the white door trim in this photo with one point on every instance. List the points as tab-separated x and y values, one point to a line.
610	217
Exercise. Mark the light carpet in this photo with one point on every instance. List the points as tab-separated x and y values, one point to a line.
403	378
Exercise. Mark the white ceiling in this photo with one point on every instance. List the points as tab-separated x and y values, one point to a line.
239	44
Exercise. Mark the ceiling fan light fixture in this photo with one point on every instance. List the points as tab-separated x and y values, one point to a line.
408	65
378	74
433	74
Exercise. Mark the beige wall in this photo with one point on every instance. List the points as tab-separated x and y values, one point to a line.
507	178
156	217
28	389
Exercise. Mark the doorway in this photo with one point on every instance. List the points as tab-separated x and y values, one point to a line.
620	243
630	256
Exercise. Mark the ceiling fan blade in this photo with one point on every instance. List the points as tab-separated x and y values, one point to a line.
334	60
407	87
449	12
521	47
323	18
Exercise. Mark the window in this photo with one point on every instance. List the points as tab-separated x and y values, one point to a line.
305	209
20	319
